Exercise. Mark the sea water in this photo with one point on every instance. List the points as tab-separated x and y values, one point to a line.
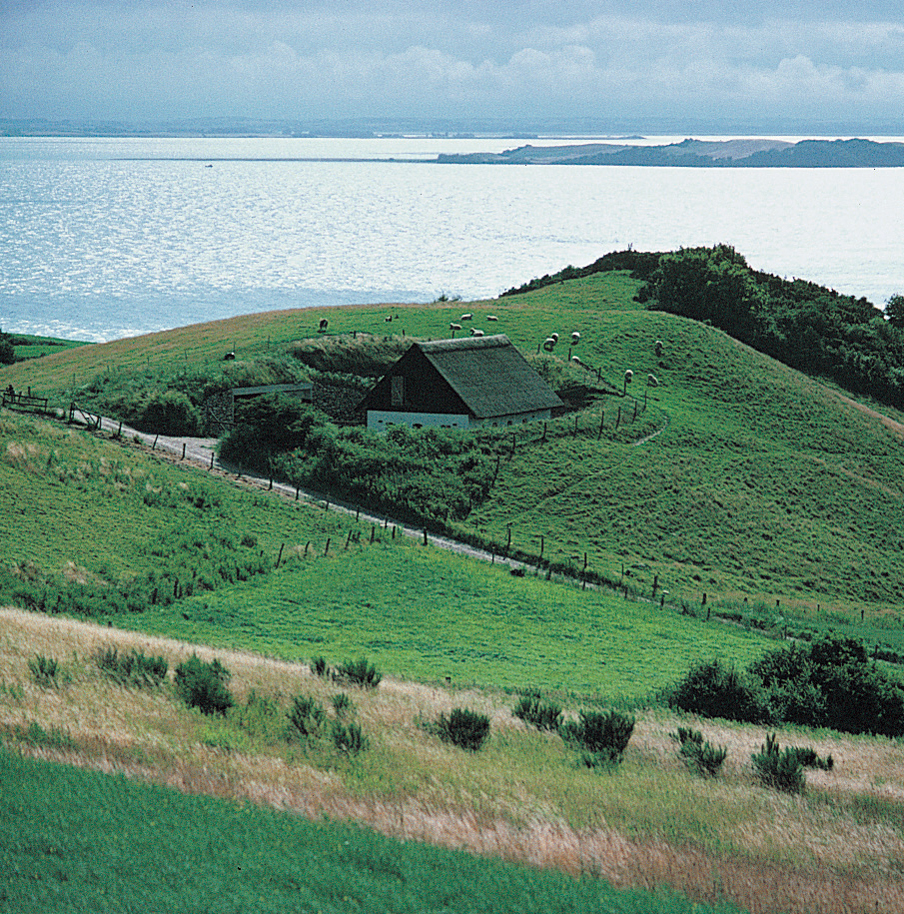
104	238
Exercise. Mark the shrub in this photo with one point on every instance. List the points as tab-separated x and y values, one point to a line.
319	667
713	690
532	710
698	755
464	728
203	685
307	716
602	735
44	671
349	739
778	769
260	717
132	669
359	673
342	704
807	756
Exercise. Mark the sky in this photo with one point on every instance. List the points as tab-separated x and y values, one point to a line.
798	65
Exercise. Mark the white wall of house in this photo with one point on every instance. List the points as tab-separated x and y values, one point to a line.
380	420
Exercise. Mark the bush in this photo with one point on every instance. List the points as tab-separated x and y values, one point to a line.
307	716
359	673
203	685
319	667
45	671
464	728
713	690
342	704
169	413
778	769
349	739
532	710
602	735
132	669
700	756
260	717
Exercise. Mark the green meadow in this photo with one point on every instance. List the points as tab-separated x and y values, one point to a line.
64	848
731	503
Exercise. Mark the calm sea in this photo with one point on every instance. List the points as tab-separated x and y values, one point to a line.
101	239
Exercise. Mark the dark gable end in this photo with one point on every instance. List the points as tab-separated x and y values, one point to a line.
484	376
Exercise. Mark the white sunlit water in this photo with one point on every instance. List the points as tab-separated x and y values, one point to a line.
109	238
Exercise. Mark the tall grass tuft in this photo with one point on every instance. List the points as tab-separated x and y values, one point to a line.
358	672
781	770
534	711
45	671
698	755
133	669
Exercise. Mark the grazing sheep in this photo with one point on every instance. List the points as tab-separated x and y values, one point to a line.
575	338
492	317
549	344
652	380
467	317
388	319
577	361
229	357
476	332
324	323
659	345
554	336
629	376
455	326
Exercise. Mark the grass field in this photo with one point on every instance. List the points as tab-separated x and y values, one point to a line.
524	797
770	493
191	854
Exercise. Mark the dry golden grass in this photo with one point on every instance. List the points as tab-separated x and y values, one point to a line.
838	848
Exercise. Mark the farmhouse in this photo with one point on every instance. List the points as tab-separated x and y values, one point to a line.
463	383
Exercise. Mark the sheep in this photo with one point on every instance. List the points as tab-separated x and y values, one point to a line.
629	377
575	338
476	332
577	361
549	344
467	317
492	317
554	336
455	326
652	380
324	323
388	319
659	345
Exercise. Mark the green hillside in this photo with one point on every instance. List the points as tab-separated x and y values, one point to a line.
762	483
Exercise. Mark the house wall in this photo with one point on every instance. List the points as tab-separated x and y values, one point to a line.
380	420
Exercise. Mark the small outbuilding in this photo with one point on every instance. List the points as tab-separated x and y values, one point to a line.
465	383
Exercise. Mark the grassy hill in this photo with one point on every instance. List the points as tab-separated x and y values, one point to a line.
772	494
762	483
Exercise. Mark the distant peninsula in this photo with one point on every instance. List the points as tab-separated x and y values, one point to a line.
744	153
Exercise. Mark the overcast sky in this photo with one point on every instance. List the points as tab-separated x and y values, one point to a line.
799	63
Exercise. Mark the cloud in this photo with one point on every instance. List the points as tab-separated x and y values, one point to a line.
108	59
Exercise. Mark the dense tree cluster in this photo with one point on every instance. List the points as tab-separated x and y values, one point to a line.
806	326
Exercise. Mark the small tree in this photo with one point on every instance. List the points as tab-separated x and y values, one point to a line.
203	685
602	735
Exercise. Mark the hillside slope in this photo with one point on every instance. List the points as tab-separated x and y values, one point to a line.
761	483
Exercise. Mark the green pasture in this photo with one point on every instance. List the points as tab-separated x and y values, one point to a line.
74	841
421	613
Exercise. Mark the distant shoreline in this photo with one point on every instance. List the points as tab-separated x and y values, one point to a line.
742	153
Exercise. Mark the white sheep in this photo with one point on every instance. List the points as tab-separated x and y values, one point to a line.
652	380
549	344
492	317
659	345
554	336
467	317
629	376
455	326
476	332
575	338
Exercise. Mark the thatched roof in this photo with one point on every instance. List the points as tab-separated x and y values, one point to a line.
490	375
